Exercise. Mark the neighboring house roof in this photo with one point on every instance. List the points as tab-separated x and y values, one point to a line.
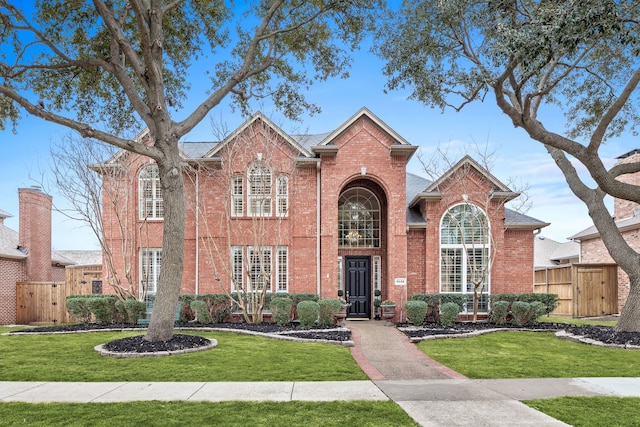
85	257
625	224
547	252
9	242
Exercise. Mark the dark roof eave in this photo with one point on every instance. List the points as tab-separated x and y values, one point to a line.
526	226
327	150
431	196
403	150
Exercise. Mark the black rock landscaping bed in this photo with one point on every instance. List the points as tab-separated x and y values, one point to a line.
595	334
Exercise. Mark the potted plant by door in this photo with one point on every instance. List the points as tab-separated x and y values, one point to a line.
342	314
388	311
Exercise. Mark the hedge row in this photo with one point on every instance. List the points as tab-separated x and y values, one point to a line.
104	309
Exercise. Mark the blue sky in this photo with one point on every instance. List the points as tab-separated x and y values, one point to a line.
25	155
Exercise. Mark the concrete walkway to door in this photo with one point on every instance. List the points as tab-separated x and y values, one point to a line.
384	353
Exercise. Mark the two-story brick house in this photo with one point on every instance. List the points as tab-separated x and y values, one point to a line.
318	213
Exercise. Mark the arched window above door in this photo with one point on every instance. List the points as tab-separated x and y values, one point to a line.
358	219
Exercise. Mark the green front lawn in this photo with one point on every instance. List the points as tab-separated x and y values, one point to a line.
530	355
70	357
228	414
591	411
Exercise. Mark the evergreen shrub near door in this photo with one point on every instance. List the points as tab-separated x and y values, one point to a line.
416	311
449	312
308	312
329	309
281	310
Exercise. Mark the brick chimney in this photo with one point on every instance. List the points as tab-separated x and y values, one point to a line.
35	232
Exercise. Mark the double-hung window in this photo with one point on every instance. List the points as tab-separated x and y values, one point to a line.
237	194
150	193
259	190
282	195
150	261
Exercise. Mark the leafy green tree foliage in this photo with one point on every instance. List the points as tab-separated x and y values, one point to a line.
109	67
531	57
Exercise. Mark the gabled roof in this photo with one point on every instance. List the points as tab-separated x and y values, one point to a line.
258	117
625	224
547	252
467	160
364	112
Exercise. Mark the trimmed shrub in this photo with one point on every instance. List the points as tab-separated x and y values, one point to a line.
449	312
551	301
416	311
520	312
201	311
77	308
536	310
308	312
329	309
103	308
434	301
499	312
135	310
281	310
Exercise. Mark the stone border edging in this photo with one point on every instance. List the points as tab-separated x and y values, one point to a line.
564	335
132	355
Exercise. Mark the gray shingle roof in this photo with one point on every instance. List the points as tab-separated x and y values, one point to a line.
622	224
195	150
547	252
86	257
513	218
9	243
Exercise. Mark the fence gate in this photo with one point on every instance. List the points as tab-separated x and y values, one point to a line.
42	302
595	293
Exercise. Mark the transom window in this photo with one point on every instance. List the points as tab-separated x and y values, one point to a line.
150	193
358	219
464	253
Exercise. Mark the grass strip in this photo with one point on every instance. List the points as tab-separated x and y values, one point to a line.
530	355
228	414
591	411
70	357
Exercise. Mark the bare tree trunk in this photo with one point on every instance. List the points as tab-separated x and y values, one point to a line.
163	316
631	311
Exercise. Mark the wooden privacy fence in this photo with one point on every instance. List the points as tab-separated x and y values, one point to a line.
584	290
45	302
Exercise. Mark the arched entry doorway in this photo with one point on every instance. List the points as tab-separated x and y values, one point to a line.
361	244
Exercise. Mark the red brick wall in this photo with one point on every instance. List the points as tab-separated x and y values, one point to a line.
11	271
35	233
625	208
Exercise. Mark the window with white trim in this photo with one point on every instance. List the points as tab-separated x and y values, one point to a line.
464	253
358	219
282	195
150	261
377	275
259	190
282	269
259	267
237	196
340	273
237	268
150	193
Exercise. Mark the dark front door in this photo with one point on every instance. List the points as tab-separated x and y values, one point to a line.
358	286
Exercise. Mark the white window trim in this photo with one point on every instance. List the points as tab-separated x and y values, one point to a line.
282	198
265	199
237	281
263	266
282	282
237	198
462	247
376	265
149	176
154	261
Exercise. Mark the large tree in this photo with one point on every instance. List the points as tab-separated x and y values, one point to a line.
533	57
105	67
